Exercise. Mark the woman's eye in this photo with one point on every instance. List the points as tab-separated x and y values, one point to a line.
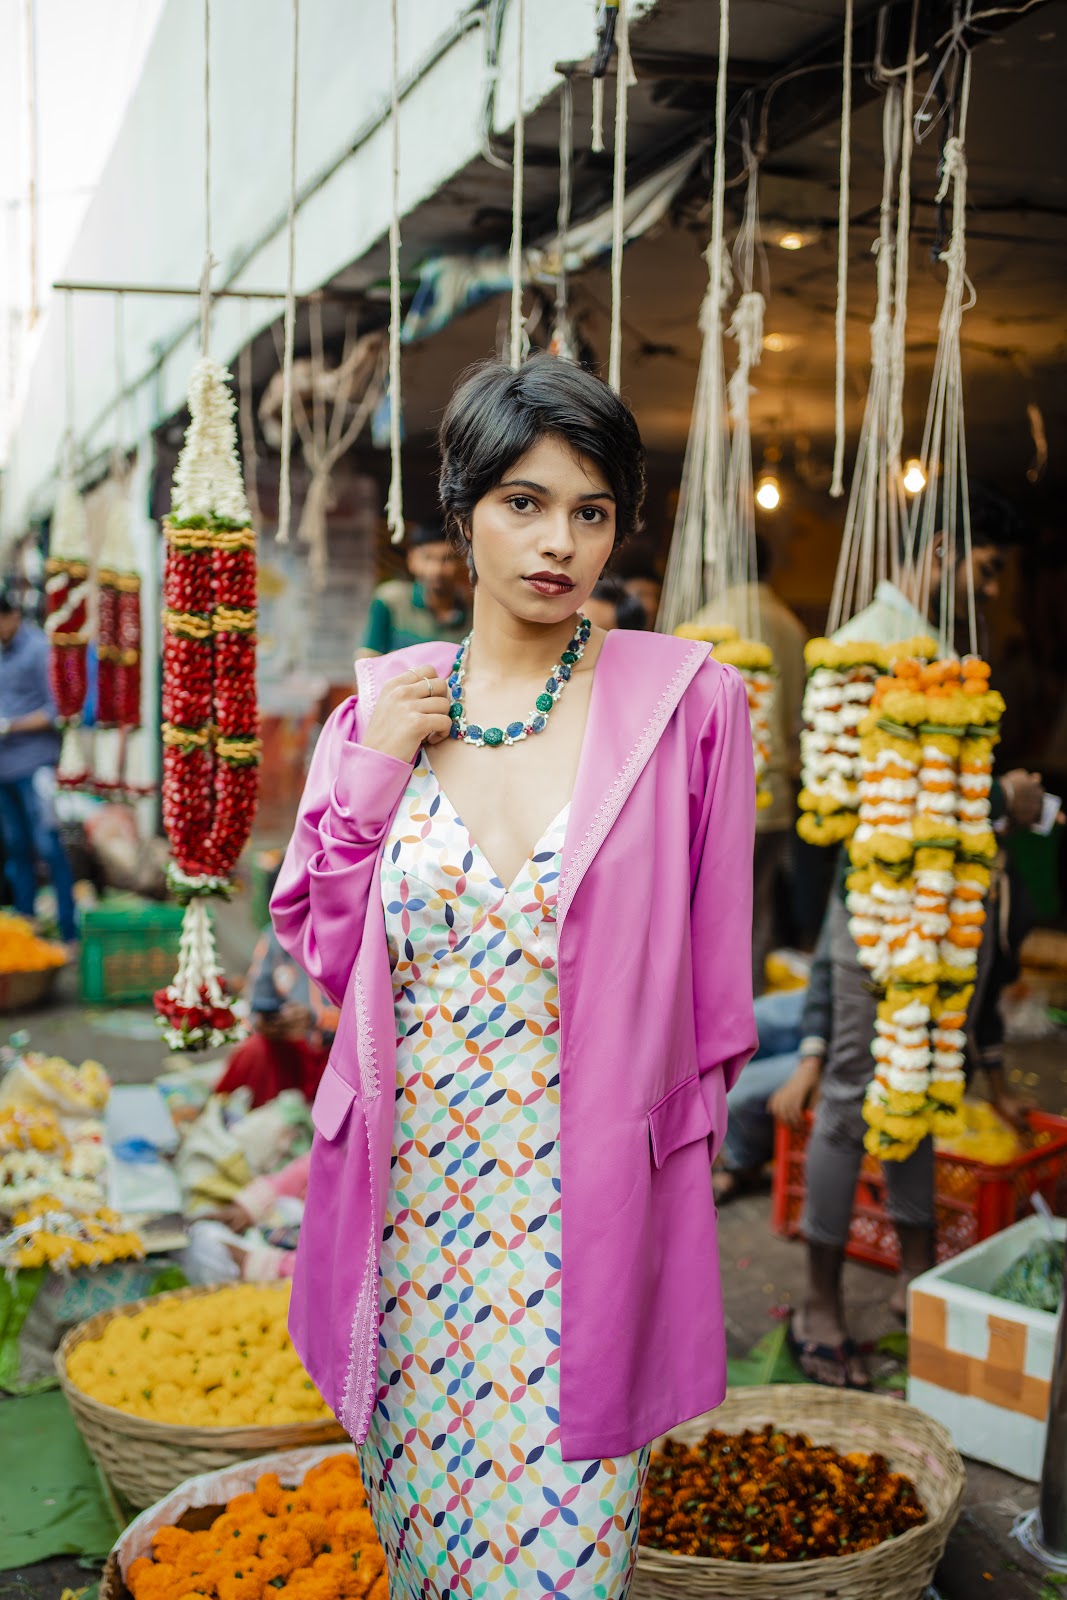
592	514
520	502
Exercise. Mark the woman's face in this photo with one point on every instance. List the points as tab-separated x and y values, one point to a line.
541	537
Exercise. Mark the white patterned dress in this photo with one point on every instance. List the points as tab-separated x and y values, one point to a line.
462	1462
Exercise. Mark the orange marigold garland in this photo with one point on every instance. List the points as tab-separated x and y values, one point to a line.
67	626
211	747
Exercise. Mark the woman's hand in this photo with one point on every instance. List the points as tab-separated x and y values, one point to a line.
412	710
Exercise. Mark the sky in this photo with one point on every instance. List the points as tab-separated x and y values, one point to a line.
89	55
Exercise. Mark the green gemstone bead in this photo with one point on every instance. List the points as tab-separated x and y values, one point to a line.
544	702
493	736
455	710
569	658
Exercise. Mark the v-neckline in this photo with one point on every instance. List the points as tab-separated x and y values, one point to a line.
424	758
509	888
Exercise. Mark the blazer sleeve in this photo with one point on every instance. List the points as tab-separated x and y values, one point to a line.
722	828
320	900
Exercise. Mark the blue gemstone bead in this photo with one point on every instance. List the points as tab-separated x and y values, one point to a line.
538	724
514	729
564	672
551	686
473	731
454	733
456	690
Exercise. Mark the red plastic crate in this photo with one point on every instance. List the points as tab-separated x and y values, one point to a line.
973	1201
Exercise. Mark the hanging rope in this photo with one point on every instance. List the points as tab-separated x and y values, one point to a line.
394	507
897	356
945	505
517	175
285	488
566	189
716	300
618	198
68	374
875	514
246	421
837	486
739	575
700	519
209	260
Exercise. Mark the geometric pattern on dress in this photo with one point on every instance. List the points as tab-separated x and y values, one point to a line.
462	1465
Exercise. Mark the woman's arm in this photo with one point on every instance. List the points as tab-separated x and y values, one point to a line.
320	901
722	828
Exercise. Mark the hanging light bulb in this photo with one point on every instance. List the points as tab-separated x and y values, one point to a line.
768	492
914	477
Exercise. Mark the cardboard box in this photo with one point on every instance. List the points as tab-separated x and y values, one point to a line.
981	1365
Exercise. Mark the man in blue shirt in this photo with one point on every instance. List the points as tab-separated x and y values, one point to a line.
29	753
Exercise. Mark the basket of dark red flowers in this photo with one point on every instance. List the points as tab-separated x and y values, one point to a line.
795	1491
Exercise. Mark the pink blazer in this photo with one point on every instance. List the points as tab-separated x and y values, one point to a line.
654	922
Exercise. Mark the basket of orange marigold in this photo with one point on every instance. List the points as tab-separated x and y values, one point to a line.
28	965
294	1525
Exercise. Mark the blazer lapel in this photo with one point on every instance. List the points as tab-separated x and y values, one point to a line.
639	680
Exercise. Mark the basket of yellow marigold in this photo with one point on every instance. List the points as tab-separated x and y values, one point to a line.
793	1492
189	1382
294	1524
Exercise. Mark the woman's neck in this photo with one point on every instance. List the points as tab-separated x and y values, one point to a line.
504	646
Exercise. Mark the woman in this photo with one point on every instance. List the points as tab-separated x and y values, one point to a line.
511	1178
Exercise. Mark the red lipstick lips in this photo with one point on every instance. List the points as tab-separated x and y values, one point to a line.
550	583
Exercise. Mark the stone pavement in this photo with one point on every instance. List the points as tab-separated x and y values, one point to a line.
762	1275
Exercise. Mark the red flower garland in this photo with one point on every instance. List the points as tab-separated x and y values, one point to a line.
67	628
118	645
211	751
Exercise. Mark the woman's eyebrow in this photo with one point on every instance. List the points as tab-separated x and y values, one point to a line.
539	488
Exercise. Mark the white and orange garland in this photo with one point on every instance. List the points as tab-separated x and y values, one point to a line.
67	627
921	857
755	662
210	730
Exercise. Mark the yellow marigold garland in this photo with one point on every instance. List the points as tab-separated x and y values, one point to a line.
755	662
920	874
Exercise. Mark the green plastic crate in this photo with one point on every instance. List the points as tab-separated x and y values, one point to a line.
129	949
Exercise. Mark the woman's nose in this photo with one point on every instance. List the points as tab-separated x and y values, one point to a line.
557	536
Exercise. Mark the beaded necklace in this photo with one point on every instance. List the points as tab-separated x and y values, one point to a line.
537	721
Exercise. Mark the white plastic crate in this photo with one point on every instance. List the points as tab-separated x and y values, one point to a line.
981	1365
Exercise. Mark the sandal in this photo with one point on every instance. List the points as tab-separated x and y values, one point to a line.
729	1183
841	1356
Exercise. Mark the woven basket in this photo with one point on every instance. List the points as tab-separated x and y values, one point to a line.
900	1569
146	1460
19	991
195	1505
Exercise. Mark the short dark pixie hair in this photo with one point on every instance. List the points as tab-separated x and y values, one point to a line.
498	413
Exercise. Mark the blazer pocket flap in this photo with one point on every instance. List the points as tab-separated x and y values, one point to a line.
678	1119
333	1102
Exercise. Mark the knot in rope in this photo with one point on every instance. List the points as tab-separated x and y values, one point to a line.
746	326
953	165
